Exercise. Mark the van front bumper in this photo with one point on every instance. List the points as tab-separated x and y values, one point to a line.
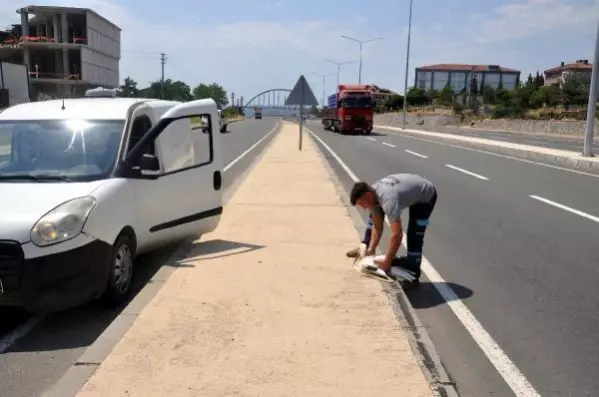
56	281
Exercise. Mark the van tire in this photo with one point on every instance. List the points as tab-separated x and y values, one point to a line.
123	256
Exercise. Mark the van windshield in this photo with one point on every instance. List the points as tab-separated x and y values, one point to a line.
58	150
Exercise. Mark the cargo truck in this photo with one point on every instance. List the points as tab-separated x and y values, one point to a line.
258	113
349	110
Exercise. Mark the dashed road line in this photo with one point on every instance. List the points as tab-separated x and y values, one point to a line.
416	154
453	167
387	144
371	139
566	208
508	370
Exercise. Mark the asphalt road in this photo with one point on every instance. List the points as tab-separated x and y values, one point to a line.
40	357
525	268
573	143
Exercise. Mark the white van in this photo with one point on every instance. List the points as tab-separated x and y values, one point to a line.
88	184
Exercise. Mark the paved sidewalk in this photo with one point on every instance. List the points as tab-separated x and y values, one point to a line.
268	305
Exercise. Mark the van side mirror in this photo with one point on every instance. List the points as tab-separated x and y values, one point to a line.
149	164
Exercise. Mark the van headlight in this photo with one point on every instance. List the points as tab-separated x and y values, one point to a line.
63	222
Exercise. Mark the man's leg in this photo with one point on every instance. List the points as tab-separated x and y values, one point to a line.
366	240
419	220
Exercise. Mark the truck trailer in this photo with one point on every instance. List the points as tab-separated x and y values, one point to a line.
349	110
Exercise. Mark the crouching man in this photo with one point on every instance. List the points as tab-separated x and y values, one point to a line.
389	197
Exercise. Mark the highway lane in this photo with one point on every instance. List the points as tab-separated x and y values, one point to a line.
40	357
566	142
526	269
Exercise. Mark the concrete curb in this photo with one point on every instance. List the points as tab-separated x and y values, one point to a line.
93	356
420	342
495	147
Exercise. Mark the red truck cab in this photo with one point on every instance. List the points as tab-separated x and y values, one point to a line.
349	110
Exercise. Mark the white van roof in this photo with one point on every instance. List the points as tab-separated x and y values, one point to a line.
82	108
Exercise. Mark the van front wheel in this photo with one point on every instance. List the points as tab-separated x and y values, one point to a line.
121	271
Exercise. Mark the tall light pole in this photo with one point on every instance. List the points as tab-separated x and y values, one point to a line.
324	76
405	94
361	42
587	151
339	64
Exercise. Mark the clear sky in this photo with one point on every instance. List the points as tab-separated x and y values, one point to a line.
251	46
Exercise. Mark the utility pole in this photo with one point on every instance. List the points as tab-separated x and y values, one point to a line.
324	76
162	63
361	42
587	151
339	64
405	94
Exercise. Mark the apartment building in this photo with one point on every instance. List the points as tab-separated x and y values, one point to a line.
556	75
379	94
436	77
67	50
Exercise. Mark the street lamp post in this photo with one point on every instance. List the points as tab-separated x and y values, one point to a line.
361	42
587	150
405	94
324	76
339	64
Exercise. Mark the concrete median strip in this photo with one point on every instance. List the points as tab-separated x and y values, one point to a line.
267	304
553	157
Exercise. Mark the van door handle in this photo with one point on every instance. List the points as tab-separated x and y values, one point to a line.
217	180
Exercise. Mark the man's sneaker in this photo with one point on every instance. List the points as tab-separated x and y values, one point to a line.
408	285
408	263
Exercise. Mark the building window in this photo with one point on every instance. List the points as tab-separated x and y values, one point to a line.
424	80
509	81
440	80
458	81
492	80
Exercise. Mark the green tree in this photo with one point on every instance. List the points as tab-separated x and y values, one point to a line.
129	88
394	102
446	95
546	95
173	91
416	97
474	85
214	91
488	94
539	80
575	89
502	96
431	95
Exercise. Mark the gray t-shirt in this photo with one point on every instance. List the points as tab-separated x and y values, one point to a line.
398	191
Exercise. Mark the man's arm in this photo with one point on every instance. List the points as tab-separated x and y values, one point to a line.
394	244
377	233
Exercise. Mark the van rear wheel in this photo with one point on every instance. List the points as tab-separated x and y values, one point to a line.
120	278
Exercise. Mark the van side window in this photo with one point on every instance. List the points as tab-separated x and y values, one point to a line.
141	126
186	143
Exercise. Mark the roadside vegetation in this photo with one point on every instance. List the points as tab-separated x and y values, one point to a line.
180	91
531	100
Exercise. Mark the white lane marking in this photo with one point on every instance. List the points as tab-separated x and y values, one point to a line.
242	155
502	363
371	139
484	178
566	208
404	135
387	144
22	330
11	338
416	154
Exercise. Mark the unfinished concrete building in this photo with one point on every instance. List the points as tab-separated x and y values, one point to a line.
67	50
